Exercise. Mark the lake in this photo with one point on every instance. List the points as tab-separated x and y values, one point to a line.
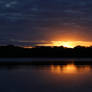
46	78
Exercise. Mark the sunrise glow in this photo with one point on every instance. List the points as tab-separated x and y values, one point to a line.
67	44
71	44
28	47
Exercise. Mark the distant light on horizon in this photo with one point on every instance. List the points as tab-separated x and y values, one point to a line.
28	47
67	44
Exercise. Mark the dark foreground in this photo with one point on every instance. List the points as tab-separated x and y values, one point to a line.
50	77
45	52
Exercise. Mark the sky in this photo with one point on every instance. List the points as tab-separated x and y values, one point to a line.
31	22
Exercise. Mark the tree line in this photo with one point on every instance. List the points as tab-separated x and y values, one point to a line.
43	52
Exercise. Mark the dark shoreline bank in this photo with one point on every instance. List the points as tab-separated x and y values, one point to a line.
45	52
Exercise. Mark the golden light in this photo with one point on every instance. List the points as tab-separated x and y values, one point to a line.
68	69
68	44
65	44
71	68
71	44
85	68
56	69
28	47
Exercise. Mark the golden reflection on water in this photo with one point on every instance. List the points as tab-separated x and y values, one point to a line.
69	69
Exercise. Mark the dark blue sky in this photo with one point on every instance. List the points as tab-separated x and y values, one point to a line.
25	21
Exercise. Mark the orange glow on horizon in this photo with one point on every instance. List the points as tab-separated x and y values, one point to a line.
28	47
71	44
67	44
64	44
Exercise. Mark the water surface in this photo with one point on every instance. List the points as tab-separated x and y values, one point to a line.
51	78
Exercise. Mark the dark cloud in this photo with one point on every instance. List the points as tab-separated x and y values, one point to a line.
45	19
